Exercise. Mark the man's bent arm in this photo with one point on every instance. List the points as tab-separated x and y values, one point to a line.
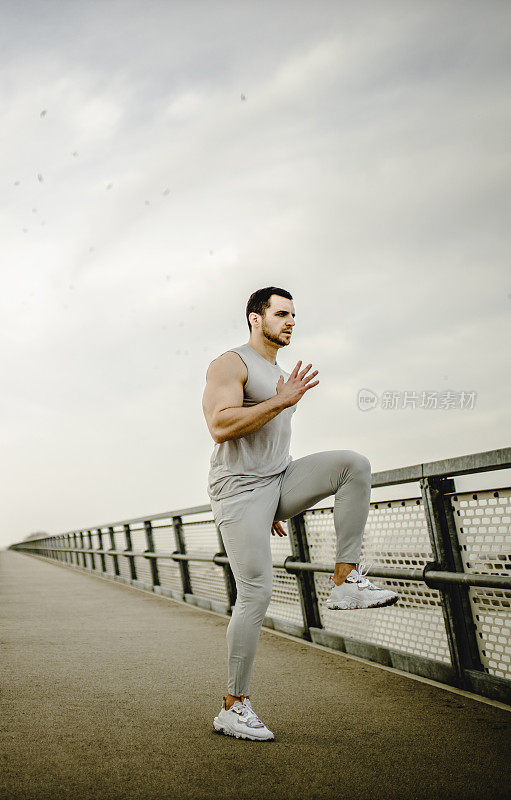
238	421
225	414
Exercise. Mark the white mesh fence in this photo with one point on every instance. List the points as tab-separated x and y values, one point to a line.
483	523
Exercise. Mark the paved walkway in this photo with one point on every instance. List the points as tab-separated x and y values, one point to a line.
110	692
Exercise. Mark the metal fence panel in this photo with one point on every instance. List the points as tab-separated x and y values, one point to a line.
207	579
163	537
142	566
396	535
285	600
120	544
483	524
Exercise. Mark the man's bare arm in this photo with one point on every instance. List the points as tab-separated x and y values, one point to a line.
222	402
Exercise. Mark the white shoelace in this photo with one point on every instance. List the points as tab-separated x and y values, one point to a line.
362	571
360	574
248	714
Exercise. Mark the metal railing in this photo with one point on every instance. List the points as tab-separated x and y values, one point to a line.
453	622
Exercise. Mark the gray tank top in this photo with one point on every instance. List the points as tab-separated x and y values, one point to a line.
252	460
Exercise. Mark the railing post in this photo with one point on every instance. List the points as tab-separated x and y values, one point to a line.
129	546
155	578
455	599
115	559
82	545
101	555
81	542
179	539
92	559
230	583
305	580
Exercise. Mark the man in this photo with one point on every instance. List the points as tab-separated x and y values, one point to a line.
254	485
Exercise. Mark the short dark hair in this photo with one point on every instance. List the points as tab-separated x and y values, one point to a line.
259	301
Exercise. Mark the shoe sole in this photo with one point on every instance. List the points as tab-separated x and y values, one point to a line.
389	602
219	728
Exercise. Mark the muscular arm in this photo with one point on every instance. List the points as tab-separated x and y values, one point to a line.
222	402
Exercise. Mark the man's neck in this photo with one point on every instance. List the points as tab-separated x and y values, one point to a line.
266	349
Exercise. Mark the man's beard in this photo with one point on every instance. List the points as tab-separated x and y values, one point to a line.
273	337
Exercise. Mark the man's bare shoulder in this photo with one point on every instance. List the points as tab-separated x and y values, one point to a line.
228	365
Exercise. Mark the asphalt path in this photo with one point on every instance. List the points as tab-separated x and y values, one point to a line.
110	692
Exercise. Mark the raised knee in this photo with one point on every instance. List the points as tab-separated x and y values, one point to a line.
360	465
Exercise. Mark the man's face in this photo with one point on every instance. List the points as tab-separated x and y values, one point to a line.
278	320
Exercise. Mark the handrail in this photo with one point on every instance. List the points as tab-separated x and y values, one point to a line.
432	577
446	467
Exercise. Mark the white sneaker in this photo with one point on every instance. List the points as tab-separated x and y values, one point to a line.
358	592
241	721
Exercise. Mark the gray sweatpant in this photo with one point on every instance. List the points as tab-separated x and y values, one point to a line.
245	521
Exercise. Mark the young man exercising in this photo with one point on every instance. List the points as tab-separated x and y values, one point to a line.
254	484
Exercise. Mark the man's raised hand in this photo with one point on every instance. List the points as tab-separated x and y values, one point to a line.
292	390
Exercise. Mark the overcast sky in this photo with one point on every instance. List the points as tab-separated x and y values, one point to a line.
162	160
